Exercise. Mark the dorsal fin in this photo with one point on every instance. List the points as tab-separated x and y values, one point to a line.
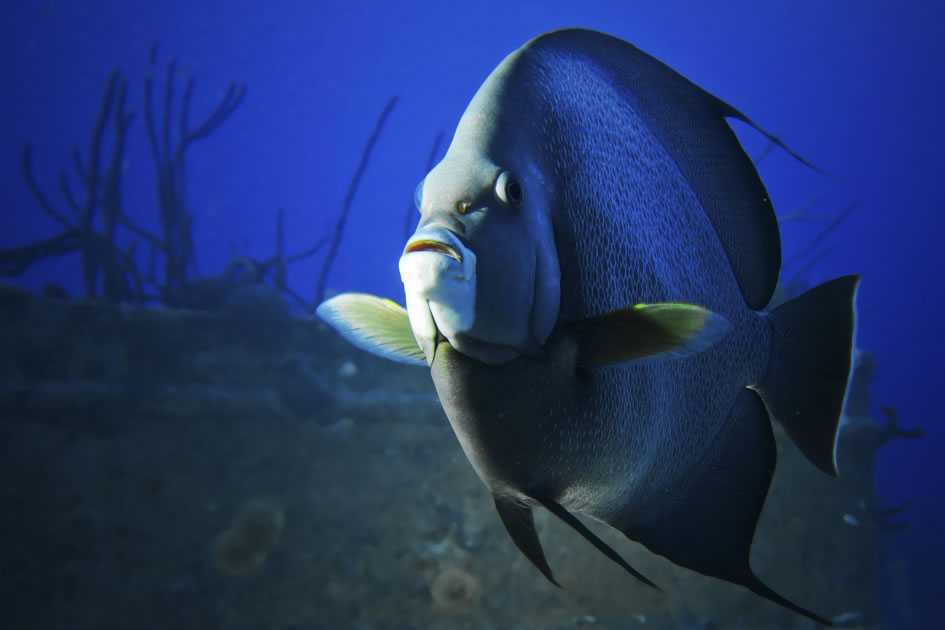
690	124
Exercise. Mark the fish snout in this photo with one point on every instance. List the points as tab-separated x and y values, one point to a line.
439	276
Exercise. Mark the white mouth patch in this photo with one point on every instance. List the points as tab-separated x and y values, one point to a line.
439	276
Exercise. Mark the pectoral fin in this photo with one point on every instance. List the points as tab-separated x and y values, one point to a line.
375	324
646	330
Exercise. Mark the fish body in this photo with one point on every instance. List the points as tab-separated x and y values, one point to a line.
587	285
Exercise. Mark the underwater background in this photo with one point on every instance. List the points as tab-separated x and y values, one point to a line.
228	416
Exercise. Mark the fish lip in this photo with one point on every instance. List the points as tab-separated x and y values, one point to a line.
437	247
437	240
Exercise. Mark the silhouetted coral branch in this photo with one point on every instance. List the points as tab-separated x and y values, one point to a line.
100	256
349	197
16	260
883	518
213	292
275	267
27	171
772	143
412	206
892	430
827	230
94	235
91	224
176	220
308	252
114	279
801	214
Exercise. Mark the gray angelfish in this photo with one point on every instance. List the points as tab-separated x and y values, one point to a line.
587	285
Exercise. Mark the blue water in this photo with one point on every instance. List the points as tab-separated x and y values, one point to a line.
856	87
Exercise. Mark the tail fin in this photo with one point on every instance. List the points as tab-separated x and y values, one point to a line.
805	387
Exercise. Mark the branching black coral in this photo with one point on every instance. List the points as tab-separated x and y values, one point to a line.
101	258
409	216
91	224
176	220
349	197
94	217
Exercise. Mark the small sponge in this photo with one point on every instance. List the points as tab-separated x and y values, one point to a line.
454	589
243	546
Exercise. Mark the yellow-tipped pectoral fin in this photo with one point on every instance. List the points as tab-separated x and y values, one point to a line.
374	324
671	329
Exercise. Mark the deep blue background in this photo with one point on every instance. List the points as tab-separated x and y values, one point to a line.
854	86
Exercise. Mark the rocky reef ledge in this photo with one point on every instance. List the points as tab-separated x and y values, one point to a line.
251	357
247	469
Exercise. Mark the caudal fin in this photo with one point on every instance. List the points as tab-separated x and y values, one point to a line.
805	387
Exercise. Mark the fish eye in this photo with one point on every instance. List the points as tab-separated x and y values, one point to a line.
418	194
508	189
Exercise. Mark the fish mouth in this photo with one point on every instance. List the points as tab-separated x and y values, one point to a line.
437	240
437	247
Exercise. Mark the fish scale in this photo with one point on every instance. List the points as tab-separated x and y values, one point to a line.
645	220
586	285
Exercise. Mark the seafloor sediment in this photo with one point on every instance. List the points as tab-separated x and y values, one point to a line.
248	469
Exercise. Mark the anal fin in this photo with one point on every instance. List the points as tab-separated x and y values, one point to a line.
706	520
520	524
